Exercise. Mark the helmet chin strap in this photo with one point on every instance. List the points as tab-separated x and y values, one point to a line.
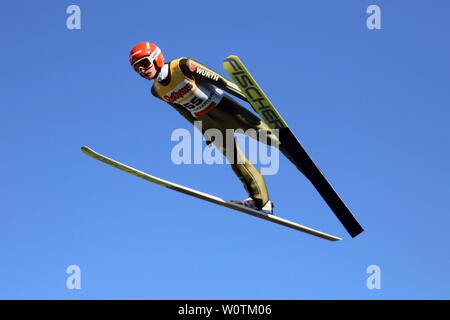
158	70
163	72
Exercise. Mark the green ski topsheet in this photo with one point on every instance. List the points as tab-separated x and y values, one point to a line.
255	95
262	105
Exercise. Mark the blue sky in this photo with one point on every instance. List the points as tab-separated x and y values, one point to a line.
370	106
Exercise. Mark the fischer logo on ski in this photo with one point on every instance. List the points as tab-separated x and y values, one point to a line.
255	95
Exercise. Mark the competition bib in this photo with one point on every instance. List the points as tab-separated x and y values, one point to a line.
198	99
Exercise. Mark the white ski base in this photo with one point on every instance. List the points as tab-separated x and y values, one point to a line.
205	196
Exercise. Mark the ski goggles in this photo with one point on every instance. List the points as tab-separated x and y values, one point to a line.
143	64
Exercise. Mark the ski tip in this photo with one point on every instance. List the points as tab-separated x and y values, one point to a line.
87	150
231	57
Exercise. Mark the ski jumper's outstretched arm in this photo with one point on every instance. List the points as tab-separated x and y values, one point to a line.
200	73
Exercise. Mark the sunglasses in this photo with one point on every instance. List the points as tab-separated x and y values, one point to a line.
143	64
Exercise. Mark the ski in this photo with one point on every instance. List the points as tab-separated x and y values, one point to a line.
262	105
205	196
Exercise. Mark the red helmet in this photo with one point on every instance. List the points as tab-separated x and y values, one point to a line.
144	49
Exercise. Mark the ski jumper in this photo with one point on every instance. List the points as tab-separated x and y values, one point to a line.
197	93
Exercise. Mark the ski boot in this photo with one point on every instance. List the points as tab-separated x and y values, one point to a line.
249	202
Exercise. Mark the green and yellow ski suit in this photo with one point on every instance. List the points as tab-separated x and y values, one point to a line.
197	93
